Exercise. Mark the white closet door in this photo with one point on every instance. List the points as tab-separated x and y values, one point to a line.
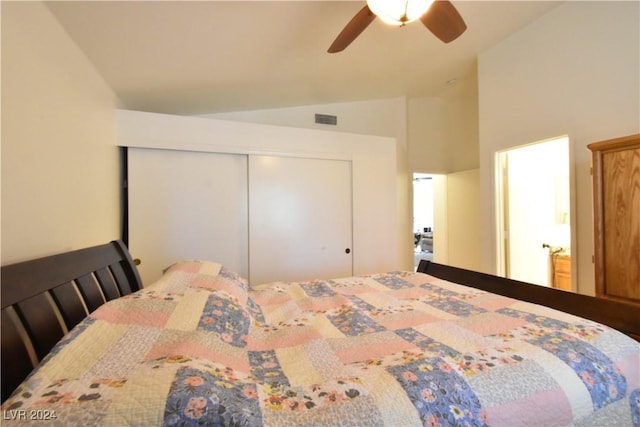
300	219
187	205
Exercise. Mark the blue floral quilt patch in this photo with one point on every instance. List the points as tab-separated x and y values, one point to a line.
227	318
393	280
440	395
317	289
354	319
598	373
199	398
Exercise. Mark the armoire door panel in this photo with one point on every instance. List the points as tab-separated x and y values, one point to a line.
300	219
187	205
621	197
616	185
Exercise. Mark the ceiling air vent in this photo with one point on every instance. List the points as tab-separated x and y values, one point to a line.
326	119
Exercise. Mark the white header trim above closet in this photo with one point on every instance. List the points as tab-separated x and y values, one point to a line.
164	131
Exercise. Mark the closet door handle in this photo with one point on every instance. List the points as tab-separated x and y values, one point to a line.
347	251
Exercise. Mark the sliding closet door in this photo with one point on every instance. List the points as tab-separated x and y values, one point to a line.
300	219
185	204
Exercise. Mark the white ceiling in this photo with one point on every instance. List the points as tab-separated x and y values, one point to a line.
191	57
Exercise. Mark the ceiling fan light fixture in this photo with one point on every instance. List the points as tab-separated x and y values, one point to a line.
399	12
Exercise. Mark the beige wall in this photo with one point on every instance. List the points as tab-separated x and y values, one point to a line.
572	72
427	142
380	117
457	237
60	168
464	239
443	130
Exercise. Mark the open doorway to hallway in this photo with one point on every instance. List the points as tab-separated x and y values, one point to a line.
423	217
533	207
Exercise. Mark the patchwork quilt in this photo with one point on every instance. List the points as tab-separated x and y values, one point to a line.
199	347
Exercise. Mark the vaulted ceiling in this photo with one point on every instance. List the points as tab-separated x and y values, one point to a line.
190	57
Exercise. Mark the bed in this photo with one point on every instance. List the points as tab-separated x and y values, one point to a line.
201	347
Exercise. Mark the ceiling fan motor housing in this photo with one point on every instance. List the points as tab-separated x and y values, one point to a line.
399	12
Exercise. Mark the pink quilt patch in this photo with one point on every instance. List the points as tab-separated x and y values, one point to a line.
112	314
527	412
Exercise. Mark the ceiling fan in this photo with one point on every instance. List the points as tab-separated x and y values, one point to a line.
439	16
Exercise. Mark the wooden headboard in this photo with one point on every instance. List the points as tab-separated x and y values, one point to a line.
620	315
44	298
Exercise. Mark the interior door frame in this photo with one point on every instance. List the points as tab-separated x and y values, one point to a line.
502	212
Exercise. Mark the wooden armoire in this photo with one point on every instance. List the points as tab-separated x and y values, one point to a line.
616	195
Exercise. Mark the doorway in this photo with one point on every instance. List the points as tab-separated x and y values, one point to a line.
423	217
533	206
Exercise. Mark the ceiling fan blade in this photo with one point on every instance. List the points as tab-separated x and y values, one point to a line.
353	29
444	21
